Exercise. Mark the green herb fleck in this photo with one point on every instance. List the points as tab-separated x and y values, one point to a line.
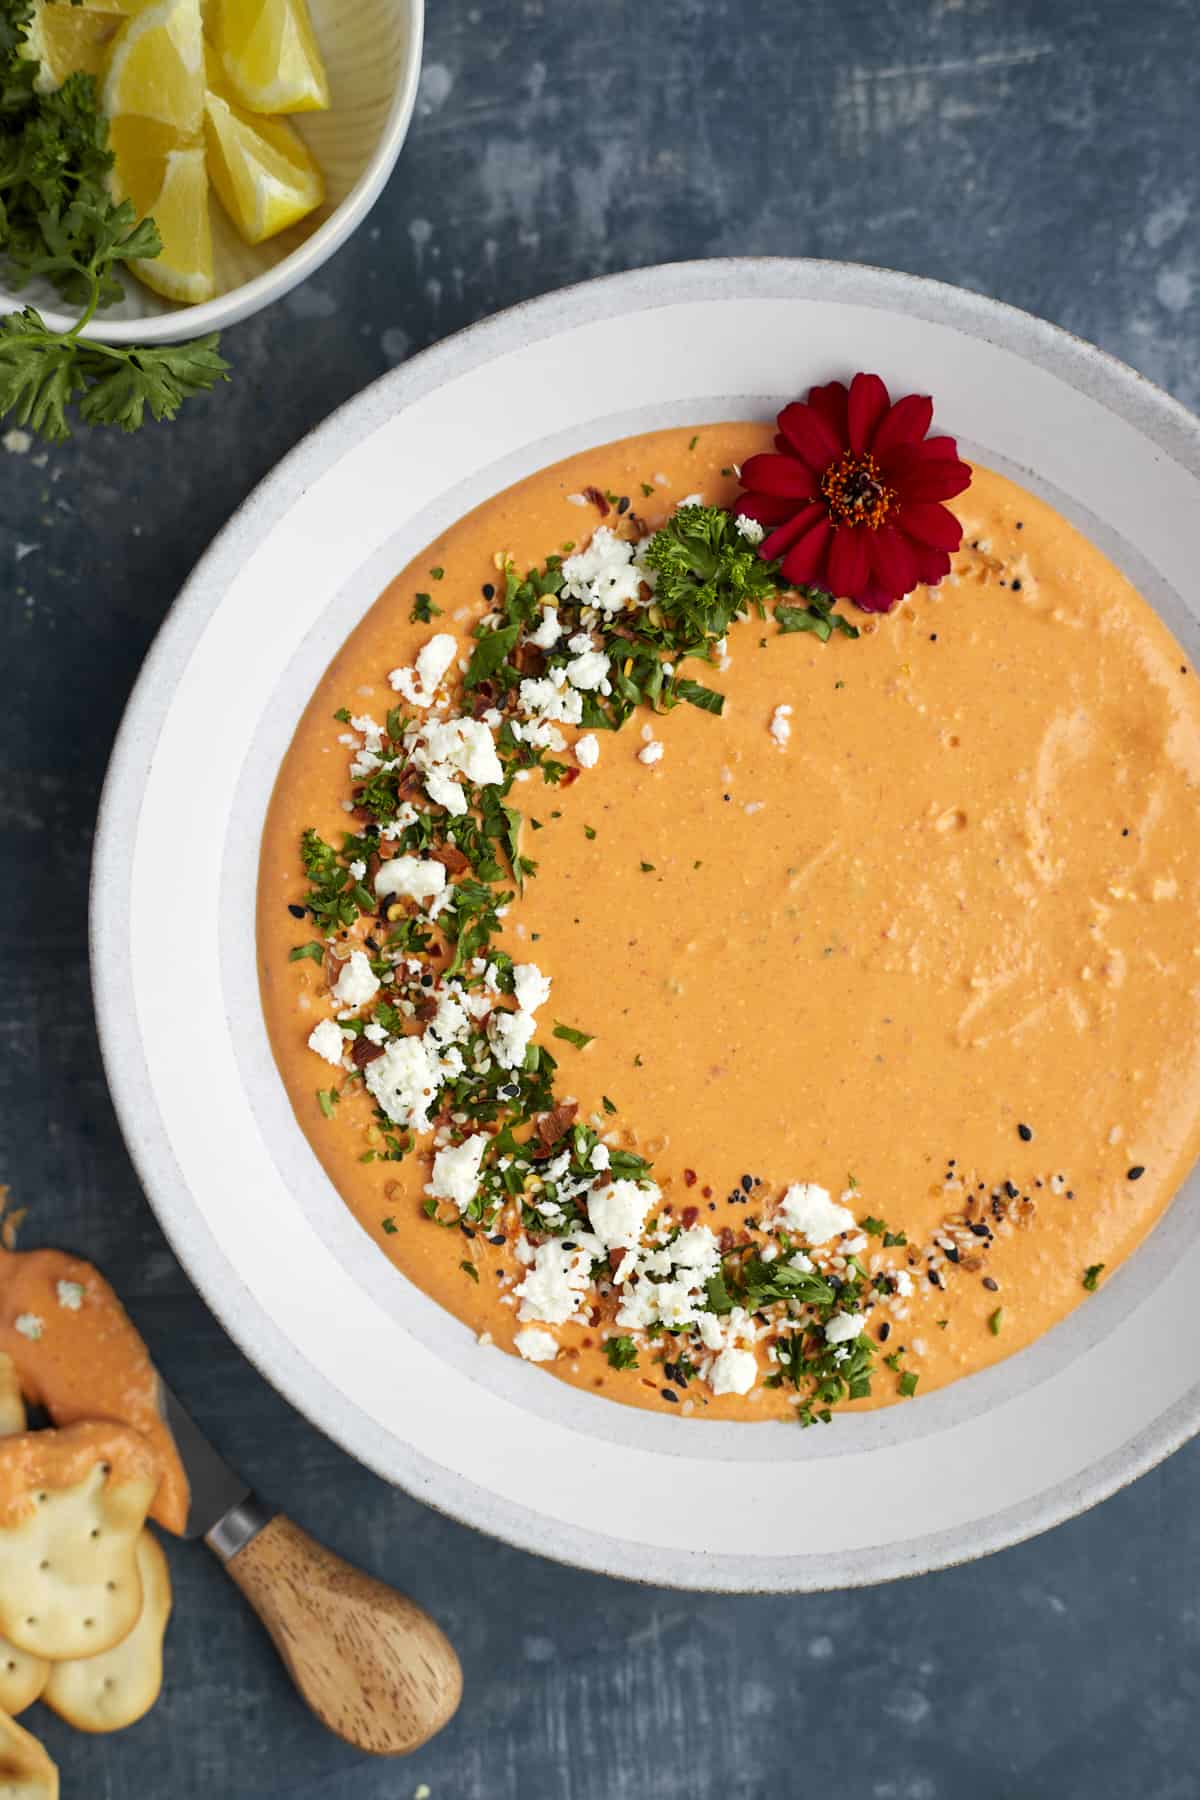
621	1353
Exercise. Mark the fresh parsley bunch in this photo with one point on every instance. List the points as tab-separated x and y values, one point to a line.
59	220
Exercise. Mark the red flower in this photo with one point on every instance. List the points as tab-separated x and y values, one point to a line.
852	500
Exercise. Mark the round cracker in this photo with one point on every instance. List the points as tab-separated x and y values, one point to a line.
110	1691
26	1771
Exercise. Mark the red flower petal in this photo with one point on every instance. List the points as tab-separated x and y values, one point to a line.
811	436
875	599
893	561
932	565
849	561
937	479
806	560
768	509
767	474
930	525
830	402
869	401
787	534
906	423
938	447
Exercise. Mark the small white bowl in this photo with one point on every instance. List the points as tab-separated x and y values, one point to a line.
372	52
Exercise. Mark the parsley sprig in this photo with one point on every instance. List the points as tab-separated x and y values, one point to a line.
59	221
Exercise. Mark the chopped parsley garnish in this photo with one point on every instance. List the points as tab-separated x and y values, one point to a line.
621	1353
423	610
569	1035
1091	1277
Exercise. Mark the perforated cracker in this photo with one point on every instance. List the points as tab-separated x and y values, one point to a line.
110	1691
22	1677
26	1771
72	1504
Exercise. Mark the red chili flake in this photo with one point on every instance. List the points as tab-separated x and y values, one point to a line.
689	1178
689	1216
569	776
707	1192
597	499
364	1052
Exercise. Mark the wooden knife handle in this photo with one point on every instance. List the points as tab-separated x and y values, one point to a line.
372	1666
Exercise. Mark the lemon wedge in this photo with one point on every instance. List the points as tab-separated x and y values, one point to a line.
168	180
269	55
65	39
156	67
261	169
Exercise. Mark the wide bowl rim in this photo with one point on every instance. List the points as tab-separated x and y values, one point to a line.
1169	425
180	322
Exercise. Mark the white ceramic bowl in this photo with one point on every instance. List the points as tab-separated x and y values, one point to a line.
383	1370
372	52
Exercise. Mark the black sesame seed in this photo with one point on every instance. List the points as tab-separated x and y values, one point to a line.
489	592
747	1183
952	1255
498	1239
668	1395
1025	1133
1016	587
1011	1190
980	1230
623	504
885	1332
297	912
1136	1173
993	1287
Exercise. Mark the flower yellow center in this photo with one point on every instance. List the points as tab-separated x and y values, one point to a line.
855	491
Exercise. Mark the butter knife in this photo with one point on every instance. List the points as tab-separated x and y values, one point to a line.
370	1664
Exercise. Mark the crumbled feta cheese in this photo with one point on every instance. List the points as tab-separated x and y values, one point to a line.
358	869
618	1212
531	988
357	982
589	670
600	1158
904	1283
509	1034
750	529
697	1250
801	1262
844	1326
456	1171
420	685
327	1040
536	1345
651	752
374	1033
549	630
445	748
551	699
809	1210
733	1372
553	1290
449	1024
780	726
29	1326
404	1080
604	575
70	1294
587	750
410	878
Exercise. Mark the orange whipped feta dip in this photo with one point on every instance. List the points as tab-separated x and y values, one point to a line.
888	972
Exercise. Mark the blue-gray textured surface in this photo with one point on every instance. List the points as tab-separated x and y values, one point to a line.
1046	153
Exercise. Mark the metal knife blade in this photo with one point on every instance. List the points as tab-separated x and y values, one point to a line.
215	1488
